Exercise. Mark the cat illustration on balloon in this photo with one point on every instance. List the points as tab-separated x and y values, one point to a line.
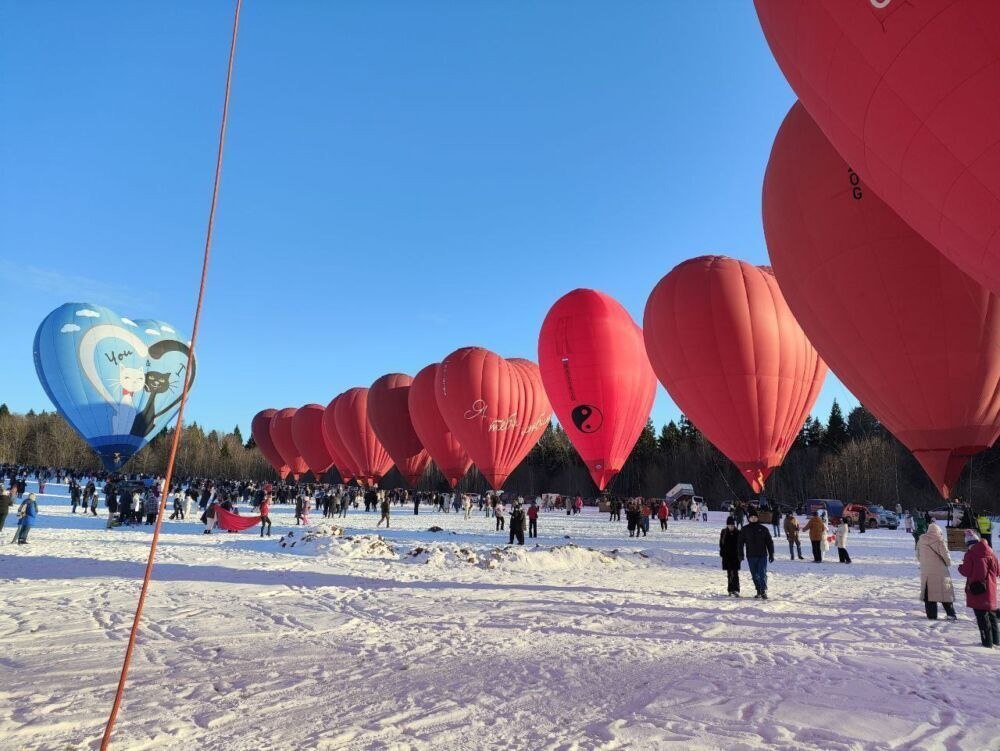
136	382
116	380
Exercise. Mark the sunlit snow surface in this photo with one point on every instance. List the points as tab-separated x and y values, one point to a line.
423	640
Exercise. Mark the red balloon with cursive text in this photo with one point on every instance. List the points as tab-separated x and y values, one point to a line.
497	408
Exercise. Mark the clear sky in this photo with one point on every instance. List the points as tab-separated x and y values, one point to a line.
401	178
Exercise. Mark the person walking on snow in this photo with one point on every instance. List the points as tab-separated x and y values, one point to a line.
265	515
663	513
729	552
384	507
816	528
792	535
26	515
935	579
498	513
981	569
757	546
533	520
209	517
467	506
842	532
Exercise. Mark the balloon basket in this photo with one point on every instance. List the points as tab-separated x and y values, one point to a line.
956	539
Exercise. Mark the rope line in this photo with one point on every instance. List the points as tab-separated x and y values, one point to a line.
109	727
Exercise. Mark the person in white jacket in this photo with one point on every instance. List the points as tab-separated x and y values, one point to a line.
467	505
842	532
935	578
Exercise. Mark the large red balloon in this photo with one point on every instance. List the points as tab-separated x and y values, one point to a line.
337	448
260	429
449	456
281	436
906	90
307	432
723	342
371	460
597	376
915	339
389	414
496	408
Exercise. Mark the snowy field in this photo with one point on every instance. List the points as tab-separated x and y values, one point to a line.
589	641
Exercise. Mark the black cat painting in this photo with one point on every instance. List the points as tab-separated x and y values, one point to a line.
157	384
145	421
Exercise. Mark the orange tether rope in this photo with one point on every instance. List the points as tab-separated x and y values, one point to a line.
184	393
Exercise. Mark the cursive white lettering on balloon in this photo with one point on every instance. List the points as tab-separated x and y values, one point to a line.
478	410
538	424
500	425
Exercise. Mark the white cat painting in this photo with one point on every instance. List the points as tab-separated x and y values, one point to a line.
131	382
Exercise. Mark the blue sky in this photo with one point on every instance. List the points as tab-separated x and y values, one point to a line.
401	178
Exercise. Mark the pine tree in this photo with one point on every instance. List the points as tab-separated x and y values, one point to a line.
862	424
814	432
237	434
645	447
836	429
4	412
689	433
670	437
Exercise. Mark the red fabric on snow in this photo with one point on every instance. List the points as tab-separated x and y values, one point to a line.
230	521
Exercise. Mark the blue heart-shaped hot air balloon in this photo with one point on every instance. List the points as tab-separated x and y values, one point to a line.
117	381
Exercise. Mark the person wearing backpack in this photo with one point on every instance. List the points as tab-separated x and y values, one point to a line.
981	569
26	514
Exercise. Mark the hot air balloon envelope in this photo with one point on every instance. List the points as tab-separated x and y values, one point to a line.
117	381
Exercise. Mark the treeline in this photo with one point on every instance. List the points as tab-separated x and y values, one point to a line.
851	459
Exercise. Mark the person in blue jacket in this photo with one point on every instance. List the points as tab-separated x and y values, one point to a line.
26	516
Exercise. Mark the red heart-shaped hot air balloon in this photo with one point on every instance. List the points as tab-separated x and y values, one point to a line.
914	338
446	451
596	374
906	90
307	432
723	342
260	429
389	414
496	408
281	436
337	448
371	460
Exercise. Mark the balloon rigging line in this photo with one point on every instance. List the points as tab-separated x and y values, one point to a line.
109	727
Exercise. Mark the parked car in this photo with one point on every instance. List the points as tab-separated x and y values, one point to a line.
827	507
853	512
886	518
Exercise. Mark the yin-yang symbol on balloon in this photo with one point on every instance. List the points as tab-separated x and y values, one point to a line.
587	418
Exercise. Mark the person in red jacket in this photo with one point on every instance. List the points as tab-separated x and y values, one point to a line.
533	520
981	569
663	513
265	515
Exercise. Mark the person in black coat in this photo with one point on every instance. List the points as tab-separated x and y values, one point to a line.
756	543
517	524
729	551
5	501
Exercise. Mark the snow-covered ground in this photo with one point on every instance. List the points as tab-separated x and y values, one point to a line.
448	640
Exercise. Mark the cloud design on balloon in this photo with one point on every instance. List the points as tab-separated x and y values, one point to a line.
152	332
88	313
69	328
167	330
129	322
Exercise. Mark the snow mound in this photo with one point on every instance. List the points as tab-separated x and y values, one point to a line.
513	558
442	556
310	535
559	558
327	540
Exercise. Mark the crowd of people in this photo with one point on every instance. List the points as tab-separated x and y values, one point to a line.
135	500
